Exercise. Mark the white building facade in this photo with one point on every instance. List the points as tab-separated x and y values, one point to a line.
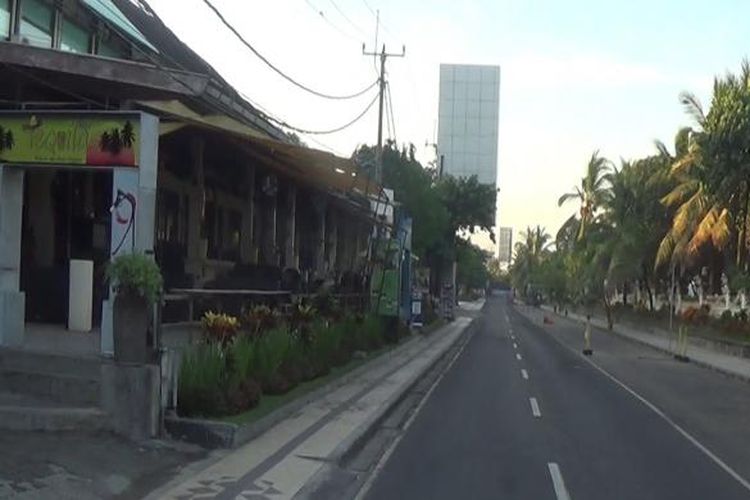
505	245
468	112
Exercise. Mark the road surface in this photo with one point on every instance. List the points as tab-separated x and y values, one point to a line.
522	415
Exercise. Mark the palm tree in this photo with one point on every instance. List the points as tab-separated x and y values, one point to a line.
591	193
700	217
529	253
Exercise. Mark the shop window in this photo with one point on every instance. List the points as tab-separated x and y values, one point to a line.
4	19
111	47
36	23
74	38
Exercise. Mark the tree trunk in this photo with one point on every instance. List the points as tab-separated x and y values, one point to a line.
624	294
743	228
608	311
648	288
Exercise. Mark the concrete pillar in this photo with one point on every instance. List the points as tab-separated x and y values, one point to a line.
12	300
246	245
290	238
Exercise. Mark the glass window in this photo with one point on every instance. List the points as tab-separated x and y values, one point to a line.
109	48
4	19
36	23
74	38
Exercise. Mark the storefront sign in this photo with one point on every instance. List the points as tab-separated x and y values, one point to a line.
60	139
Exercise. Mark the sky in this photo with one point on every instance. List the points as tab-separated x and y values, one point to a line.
576	75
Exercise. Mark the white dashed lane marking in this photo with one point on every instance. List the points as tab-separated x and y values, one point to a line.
535	408
557	482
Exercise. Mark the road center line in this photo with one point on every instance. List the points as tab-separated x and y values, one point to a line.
524	374
535	408
518	357
557	482
724	466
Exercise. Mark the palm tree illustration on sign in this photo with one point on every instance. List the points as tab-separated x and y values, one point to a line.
6	139
115	147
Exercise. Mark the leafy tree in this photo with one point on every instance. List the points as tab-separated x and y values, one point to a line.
471	204
471	272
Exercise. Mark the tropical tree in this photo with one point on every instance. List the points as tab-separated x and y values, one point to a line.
590	194
528	256
712	193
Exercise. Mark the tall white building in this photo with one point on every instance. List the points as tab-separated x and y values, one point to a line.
505	244
468	120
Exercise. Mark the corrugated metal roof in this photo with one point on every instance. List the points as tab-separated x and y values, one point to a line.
107	10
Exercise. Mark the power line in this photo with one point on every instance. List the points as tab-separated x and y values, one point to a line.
338	9
368	7
388	120
390	106
283	123
330	23
277	70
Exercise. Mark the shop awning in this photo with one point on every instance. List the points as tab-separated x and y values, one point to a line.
307	165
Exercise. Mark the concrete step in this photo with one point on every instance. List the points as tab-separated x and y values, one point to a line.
25	418
67	389
51	363
26	413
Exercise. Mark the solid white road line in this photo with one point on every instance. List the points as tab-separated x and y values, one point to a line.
535	407
557	482
729	470
524	374
518	357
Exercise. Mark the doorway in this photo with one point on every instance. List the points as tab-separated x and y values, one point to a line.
65	216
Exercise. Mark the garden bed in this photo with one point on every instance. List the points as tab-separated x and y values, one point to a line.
234	430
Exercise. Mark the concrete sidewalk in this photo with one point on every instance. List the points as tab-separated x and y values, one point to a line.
724	363
280	462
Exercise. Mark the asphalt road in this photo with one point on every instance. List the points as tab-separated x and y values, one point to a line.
676	432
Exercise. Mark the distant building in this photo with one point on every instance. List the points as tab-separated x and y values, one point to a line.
468	120
505	244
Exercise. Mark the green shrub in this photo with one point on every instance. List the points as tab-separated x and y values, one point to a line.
741	316
242	352
270	353
726	317
202	380
372	332
324	342
136	274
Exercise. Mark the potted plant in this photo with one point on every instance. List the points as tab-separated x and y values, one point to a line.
137	282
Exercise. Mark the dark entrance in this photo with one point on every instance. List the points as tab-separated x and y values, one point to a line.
65	216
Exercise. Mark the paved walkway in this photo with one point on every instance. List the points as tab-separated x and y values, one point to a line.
280	462
725	363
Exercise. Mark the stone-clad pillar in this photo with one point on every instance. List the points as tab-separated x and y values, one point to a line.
12	300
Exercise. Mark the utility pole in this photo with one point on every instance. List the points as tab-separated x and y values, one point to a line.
379	153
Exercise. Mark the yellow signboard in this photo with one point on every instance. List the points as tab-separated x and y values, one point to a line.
60	139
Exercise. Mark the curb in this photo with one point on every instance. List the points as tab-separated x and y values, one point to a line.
702	364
